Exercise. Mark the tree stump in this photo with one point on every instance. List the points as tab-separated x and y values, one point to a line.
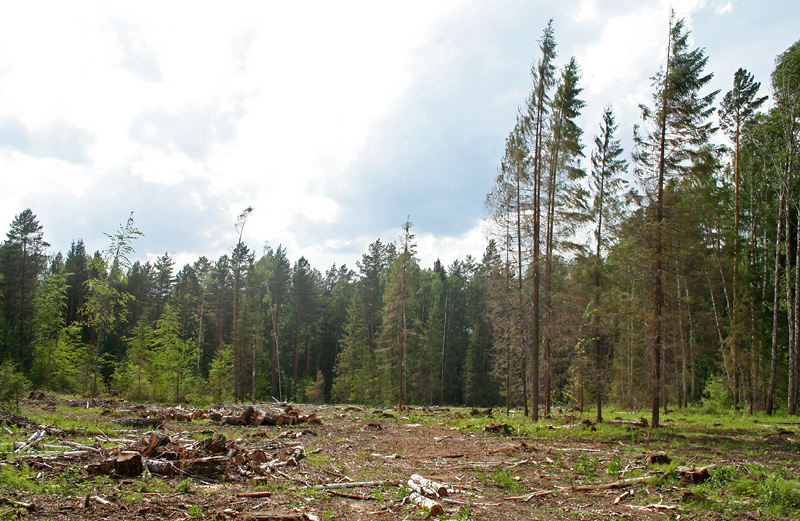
128	464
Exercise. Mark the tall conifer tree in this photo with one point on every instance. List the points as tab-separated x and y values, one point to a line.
674	128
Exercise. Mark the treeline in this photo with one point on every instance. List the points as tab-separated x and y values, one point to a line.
655	278
246	326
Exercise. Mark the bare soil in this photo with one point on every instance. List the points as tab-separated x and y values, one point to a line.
569	471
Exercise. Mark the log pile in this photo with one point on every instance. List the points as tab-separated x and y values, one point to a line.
425	493
208	460
247	416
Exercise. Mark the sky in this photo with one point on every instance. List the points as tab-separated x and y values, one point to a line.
336	121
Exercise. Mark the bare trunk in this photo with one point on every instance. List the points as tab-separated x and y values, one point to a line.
773	368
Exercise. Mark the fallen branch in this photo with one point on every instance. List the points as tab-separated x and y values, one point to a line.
617	484
34	438
351	496
82	447
353	484
262	493
88	500
526	498
656	506
623	496
14	503
272	516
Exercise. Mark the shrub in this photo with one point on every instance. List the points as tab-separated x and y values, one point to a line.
13	385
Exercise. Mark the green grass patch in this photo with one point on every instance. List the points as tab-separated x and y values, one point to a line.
501	478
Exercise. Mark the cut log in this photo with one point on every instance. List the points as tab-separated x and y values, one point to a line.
161	467
213	466
426	487
140	422
434	508
82	447
100	468
128	464
257	455
35	438
272	418
297	454
88	500
247	413
641	422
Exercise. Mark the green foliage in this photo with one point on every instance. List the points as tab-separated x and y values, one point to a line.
355	371
587	467
614	466
716	395
220	381
13	385
501	478
780	496
185	486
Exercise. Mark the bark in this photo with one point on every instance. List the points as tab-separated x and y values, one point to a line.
773	367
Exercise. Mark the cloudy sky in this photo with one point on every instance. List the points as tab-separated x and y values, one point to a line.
336	121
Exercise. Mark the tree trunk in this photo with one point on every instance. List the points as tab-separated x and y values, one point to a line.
773	367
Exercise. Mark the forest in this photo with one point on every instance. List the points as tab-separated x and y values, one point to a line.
662	277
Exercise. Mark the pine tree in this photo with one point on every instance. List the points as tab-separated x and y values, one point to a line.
736	110
22	261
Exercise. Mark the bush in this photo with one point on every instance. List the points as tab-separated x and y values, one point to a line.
13	385
717	396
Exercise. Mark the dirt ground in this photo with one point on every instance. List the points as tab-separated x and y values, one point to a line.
561	470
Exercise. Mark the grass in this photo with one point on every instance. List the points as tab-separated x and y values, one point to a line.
501	478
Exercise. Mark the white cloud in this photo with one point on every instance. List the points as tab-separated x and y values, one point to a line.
449	249
725	8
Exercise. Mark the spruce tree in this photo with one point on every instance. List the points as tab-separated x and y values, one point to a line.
674	128
605	184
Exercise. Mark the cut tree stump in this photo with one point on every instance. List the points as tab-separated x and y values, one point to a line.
658	458
128	464
498	428
693	475
216	443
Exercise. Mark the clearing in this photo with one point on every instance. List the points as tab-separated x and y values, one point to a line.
110	459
